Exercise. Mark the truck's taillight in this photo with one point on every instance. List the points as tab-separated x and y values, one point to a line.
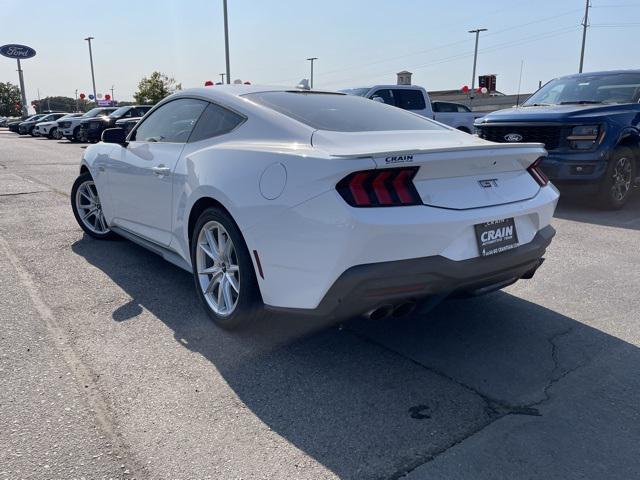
390	187
537	173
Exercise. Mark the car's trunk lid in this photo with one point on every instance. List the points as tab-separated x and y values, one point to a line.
457	170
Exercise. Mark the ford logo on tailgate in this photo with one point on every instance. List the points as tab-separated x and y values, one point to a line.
513	137
20	52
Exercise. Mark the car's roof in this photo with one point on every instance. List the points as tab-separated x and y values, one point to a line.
235	91
604	72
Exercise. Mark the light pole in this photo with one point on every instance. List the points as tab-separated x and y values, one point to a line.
585	24
113	97
312	59
25	109
226	40
93	76
475	56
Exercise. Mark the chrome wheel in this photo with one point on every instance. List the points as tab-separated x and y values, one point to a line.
217	268
622	174
90	209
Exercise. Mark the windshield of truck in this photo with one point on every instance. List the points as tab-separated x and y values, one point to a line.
589	89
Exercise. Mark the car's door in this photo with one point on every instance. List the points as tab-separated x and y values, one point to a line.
139	175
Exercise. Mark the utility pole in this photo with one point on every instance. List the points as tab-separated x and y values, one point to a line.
25	110
222	77
226	40
77	106
113	98
585	24
475	56
312	59
93	76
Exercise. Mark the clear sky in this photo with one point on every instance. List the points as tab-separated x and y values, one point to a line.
358	42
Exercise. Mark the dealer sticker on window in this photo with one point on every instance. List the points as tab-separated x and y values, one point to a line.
496	237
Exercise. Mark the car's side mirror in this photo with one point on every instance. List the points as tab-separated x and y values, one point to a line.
115	135
378	99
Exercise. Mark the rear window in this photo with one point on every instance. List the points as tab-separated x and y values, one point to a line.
341	113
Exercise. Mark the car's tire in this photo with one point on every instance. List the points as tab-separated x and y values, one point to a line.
225	281
617	186
76	134
86	206
52	133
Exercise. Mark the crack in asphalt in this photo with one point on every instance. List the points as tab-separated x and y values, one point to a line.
21	193
495	408
83	374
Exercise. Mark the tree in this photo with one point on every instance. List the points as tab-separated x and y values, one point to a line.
154	88
9	100
60	104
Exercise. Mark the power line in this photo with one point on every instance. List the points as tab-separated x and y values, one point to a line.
439	47
460	56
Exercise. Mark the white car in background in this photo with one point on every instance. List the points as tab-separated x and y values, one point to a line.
316	202
48	119
70	127
49	128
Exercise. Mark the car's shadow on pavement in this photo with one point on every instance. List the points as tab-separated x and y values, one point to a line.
375	399
579	210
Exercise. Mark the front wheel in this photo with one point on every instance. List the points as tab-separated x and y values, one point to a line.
52	133
87	208
619	178
223	271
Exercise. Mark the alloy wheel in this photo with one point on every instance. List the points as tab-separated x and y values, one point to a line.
90	209
622	173
218	269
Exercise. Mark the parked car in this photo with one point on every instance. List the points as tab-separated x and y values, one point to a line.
13	125
32	120
50	129
91	128
70	127
27	127
416	99
45	124
589	123
127	123
316	203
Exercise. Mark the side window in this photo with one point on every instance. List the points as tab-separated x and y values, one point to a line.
435	106
463	109
215	121
446	107
172	122
386	95
140	111
409	99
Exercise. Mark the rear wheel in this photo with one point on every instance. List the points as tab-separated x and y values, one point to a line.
618	182
76	134
52	133
223	271
87	208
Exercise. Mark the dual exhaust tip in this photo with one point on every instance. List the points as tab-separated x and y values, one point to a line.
383	311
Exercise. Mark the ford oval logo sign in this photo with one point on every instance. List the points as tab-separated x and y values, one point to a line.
21	52
513	137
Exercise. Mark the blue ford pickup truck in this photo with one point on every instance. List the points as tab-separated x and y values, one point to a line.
589	124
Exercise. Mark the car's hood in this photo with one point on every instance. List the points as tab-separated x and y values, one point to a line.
556	113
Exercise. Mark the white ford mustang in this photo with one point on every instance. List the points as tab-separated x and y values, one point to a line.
316	202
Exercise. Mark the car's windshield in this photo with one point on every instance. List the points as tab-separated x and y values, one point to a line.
341	113
588	90
35	117
119	112
93	112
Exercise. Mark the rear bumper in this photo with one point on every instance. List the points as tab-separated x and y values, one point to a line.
365	287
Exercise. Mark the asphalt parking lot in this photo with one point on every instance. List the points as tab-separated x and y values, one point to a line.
110	369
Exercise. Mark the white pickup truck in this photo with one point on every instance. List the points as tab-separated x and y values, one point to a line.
416	99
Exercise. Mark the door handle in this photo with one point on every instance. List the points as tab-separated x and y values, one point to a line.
161	170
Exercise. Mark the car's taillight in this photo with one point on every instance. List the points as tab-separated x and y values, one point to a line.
389	187
537	173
